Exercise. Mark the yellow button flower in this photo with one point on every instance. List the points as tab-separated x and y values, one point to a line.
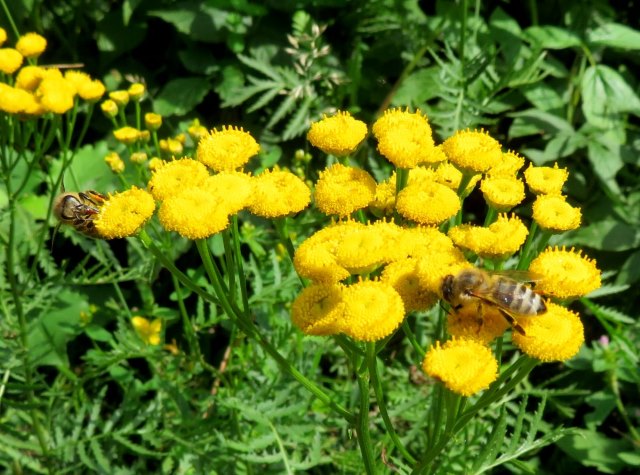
138	157
76	78
565	274
234	189
156	163
56	94
403	277
31	45
279	193
463	366
554	214
427	202
196	131
545	180
10	60
337	135
319	309
115	162
149	331
120	97
3	36
109	108
502	192
127	135
508	166
373	310
341	190
362	250
502	238
434	266
473	151
556	335
227	149
175	176
92	91
448	175
384	200
18	101
468	323
152	121
136	91
123	214
421	241
29	77
405	139
194	213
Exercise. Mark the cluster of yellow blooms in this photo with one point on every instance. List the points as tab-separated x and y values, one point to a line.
366	277
31	90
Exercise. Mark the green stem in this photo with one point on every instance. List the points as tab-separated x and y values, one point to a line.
238	258
244	322
412	338
378	390
363	433
524	261
190	334
491	216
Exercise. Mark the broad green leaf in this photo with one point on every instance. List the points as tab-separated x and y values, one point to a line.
606	235
181	96
195	19
551	37
544	97
593	449
630	458
630	271
110	33
536	122
606	160
616	36
606	93
562	145
420	86
603	403
199	60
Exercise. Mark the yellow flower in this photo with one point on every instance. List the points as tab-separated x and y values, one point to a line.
3	36
120	97
123	214
127	135
421	241
148	331
361	250
565	274
10	60
319	309
472	151
115	162
279	193
109	108
56	94
196	131
171	146
18	101
546	180
176	176
156	163
76	78
234	190
554	214
403	277
227	149
501	239
136	91
338	135
433	155
194	213
405	139
508	166
384	200
31	45
463	366
427	202
502	192
138	157
556	335
29	77
341	190
373	310
467	323
152	121
448	175
433	266
92	91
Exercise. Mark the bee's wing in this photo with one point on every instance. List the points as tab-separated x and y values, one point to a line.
517	275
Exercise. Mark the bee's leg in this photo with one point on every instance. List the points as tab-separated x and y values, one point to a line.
480	317
512	321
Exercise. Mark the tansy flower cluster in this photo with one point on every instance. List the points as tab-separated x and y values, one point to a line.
366	275
31	90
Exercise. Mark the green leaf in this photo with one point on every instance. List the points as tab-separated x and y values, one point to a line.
603	403
199	60
181	96
110	33
551	37
606	93
606	235
630	458
606	160
593	449
197	20
630	271
616	36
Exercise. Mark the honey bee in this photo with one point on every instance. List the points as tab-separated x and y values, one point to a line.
79	210
504	291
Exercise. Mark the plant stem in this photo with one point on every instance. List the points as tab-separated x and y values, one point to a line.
364	436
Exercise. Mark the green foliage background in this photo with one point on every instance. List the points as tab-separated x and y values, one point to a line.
554	81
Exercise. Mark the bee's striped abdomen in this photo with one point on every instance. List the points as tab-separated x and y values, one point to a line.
519	298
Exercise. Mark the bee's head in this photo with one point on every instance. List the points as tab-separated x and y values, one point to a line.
447	288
